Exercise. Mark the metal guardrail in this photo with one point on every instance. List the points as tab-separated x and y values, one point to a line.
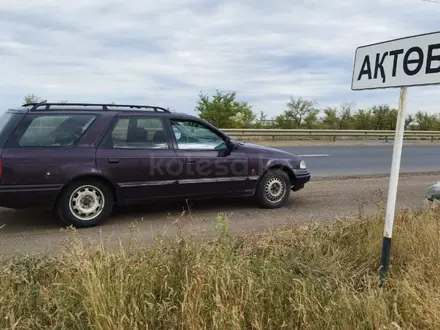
279	133
274	133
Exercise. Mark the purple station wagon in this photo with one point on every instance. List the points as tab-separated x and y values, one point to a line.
82	159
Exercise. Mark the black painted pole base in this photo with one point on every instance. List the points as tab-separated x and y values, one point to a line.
385	260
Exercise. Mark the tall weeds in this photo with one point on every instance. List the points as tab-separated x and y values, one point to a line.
314	277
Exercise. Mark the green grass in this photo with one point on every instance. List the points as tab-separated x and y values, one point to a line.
313	277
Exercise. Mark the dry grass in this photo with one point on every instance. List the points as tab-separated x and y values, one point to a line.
313	277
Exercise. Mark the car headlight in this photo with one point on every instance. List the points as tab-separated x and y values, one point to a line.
302	165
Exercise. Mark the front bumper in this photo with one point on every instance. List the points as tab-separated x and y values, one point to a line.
302	176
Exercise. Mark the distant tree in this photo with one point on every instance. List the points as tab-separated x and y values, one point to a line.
382	117
408	121
296	113
32	98
224	111
261	122
262	117
435	122
330	120
391	120
345	114
362	119
311	120
424	121
285	121
244	117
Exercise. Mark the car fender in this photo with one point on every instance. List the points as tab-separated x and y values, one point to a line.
278	163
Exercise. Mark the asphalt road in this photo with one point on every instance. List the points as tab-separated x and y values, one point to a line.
367	160
322	199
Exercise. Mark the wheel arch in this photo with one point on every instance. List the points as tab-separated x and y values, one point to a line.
283	167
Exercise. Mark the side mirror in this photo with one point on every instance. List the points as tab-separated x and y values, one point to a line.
230	144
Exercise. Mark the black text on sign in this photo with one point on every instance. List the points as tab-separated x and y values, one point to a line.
411	61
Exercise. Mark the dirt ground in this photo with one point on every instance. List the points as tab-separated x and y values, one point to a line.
321	200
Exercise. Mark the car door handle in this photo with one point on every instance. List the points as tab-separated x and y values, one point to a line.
113	160
190	161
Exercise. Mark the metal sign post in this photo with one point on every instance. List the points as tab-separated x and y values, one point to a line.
392	189
405	62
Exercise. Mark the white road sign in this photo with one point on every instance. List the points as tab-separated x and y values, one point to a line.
410	61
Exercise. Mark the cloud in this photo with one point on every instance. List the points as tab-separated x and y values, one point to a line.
166	52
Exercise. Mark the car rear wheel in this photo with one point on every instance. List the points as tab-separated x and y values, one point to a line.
273	190
85	203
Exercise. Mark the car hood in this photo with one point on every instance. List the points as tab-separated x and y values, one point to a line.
251	147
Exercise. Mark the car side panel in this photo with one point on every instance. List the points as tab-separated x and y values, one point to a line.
140	174
214	172
34	178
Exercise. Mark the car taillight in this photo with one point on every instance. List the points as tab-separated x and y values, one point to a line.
1	169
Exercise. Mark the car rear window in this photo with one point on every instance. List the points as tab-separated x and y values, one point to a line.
53	130
4	120
8	121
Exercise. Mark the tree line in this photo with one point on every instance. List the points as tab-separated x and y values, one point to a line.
224	110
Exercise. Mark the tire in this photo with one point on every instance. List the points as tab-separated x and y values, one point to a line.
273	179
96	194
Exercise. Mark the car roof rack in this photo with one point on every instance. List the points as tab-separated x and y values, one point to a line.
44	105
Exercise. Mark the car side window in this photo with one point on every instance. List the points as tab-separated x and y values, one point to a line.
139	133
52	131
192	135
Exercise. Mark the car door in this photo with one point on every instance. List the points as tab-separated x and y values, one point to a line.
212	166
138	156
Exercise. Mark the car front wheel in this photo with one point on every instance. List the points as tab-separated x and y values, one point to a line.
273	190
85	203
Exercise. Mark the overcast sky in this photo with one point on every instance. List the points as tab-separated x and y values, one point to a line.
166	52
